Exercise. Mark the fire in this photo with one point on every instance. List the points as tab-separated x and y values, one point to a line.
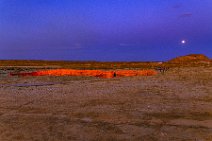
95	73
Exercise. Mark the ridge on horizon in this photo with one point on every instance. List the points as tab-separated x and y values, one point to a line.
49	60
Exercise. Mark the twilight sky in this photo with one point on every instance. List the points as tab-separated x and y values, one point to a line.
104	30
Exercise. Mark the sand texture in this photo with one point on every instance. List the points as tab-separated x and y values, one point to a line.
175	106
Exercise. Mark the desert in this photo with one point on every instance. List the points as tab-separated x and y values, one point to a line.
105	70
175	105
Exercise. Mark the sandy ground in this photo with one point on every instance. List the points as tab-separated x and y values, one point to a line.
176	106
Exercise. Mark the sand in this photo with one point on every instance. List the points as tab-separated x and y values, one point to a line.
175	106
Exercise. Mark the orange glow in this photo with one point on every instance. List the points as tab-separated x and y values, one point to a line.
95	73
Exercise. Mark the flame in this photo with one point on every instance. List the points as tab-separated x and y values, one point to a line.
95	73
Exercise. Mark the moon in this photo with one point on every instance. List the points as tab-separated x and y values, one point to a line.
183	41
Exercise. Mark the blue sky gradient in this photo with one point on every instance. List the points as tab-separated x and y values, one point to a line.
104	30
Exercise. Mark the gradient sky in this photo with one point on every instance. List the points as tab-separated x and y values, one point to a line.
104	30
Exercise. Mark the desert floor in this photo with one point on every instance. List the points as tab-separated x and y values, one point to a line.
175	106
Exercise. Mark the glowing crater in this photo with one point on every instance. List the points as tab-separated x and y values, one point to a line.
95	73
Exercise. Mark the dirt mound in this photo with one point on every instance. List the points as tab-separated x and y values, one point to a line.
190	58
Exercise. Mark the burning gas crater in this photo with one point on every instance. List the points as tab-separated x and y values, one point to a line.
95	73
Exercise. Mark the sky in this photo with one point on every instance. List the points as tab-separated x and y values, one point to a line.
104	30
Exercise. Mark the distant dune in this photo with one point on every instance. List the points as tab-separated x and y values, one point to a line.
192	58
